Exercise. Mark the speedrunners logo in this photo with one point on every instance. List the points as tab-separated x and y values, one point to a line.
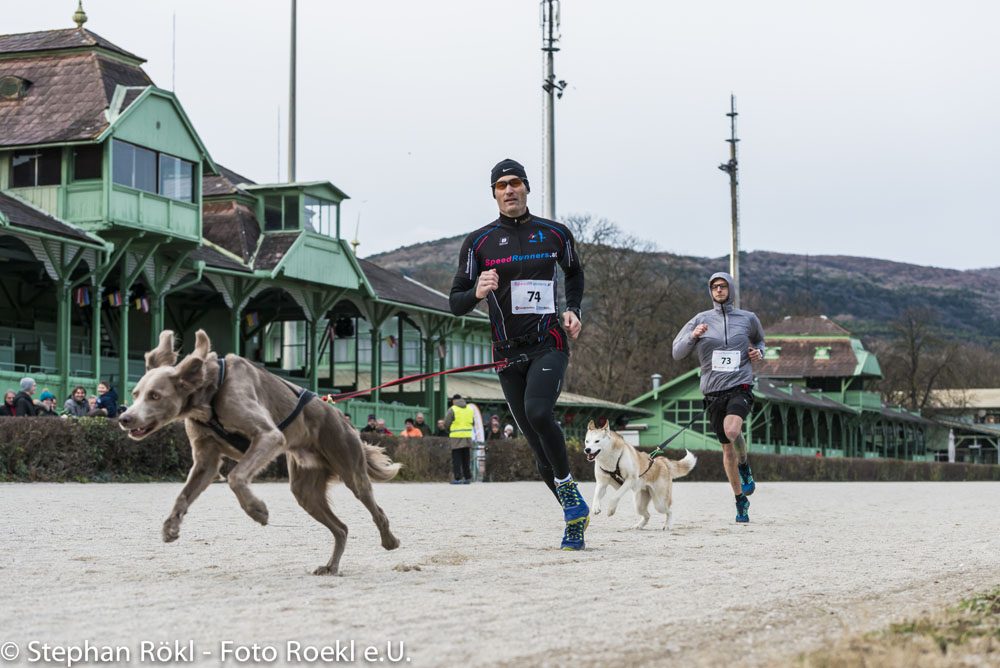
492	262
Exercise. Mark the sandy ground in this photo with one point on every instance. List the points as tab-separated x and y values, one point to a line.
478	581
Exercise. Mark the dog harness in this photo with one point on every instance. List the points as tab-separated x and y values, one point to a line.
238	441
616	475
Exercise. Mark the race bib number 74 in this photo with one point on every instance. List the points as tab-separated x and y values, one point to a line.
532	297
725	361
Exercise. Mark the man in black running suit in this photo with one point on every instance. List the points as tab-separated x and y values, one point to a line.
511	263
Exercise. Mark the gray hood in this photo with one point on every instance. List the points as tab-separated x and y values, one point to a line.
728	304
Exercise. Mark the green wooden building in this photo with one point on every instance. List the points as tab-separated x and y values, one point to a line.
116	223
811	396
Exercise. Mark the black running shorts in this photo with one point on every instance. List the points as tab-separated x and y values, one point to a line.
729	402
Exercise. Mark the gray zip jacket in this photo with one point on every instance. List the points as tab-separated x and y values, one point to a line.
729	329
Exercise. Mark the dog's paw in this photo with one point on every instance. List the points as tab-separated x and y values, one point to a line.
611	512
257	511
326	570
171	530
594	510
390	542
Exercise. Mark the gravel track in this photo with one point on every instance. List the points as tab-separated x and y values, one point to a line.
478	579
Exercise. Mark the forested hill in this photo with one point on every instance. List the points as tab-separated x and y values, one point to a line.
863	294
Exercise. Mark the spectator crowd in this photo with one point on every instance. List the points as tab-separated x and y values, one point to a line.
23	403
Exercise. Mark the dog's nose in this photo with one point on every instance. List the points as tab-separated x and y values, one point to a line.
124	418
587	450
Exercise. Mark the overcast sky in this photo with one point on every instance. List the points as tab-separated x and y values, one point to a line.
868	127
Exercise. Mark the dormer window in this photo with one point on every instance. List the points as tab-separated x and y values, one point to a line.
320	217
772	352
13	88
822	353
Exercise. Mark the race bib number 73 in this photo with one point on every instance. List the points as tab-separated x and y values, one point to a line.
725	361
532	297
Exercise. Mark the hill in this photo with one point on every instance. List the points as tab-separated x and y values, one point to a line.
863	294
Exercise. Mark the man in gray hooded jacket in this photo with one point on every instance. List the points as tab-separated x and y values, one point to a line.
727	340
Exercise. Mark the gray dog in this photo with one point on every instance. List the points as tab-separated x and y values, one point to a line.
264	416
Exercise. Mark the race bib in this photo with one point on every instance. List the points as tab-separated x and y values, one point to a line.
725	361
531	297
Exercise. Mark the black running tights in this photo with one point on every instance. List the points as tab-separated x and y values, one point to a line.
531	389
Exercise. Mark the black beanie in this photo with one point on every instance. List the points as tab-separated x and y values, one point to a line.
508	167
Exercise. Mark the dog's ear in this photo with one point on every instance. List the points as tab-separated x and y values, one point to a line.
590	426
202	344
163	354
190	372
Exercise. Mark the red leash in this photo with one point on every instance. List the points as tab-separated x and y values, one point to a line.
497	366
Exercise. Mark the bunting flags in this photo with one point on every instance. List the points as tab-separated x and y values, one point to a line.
253	319
391	340
142	304
82	297
115	298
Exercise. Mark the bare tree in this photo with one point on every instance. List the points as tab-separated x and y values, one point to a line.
633	307
917	361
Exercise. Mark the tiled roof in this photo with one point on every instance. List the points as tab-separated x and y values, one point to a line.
794	394
394	287
66	98
816	325
797	358
224	184
25	215
68	38
214	258
232	225
273	249
898	413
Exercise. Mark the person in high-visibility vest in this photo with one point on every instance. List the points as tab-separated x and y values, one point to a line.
459	422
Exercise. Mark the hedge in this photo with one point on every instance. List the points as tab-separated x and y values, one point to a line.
97	450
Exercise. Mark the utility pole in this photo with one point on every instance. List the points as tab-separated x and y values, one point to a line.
732	168
291	107
553	89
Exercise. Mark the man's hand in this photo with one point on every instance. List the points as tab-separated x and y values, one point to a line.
698	331
571	324
755	355
488	280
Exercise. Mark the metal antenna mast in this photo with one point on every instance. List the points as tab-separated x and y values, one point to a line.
550	38
732	168
291	107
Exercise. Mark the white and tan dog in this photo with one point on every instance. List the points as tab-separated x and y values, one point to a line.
617	464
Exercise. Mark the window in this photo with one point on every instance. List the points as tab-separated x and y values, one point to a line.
320	216
134	166
87	161
176	178
281	213
40	167
272	213
143	169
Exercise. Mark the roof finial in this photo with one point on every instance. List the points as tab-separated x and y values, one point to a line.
79	16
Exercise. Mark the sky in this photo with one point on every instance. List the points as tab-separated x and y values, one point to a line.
867	127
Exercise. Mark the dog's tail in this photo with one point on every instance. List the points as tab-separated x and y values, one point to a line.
681	467
380	467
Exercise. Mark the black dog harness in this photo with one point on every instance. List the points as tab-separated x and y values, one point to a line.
616	475
239	441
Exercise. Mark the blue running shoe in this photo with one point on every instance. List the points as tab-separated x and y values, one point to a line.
456	482
741	510
576	514
746	478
